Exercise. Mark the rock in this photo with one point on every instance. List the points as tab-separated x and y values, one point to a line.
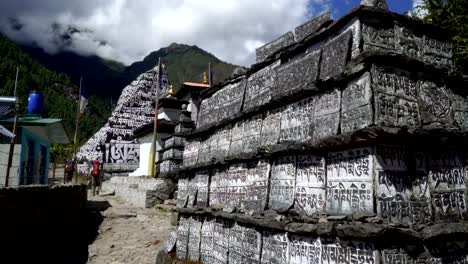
382	4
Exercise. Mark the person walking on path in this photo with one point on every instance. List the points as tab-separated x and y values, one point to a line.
95	172
69	170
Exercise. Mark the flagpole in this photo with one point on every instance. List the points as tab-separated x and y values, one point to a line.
77	125
152	160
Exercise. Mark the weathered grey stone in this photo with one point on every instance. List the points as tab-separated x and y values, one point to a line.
447	185
202	179
296	121
334	56
378	37
310	185
275	248
282	183
350	181
206	241
230	99
265	51
356	109
297	75
435	102
271	124
395	97
183	237
304	250
259	85
311	26
326	118
190	154
401	199
382	4
194	238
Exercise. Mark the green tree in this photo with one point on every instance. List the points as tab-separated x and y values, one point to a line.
451	15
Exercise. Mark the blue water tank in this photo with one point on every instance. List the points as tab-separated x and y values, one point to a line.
35	103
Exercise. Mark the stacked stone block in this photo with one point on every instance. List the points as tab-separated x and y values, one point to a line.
349	146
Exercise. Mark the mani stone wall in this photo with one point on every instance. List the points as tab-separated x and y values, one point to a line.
115	143
348	146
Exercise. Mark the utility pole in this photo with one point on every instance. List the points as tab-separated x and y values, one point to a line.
77	126
152	157
12	143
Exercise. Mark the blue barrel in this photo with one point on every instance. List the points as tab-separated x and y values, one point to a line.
35	103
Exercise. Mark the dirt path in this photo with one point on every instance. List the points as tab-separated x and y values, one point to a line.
128	234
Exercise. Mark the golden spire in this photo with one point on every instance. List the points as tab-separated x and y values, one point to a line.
171	90
205	79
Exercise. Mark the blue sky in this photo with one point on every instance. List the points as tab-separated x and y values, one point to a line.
342	7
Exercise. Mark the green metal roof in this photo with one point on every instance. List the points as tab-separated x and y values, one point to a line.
51	129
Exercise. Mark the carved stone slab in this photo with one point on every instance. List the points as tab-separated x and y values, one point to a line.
174	141
218	188
282	183
237	134
173	154
460	111
299	74
285	40
396	97
251	245
223	140
356	111
378	37
251	134
399	255
349	252
296	121
183	237
409	43
202	179
257	186
182	193
310	184
275	249
305	250
334	56
230	99
206	241
402	197
350	181
311	26
192	192
194	238
327	108
221	233
171	242
204	153
437	52
208	111
237	184
235	244
447	185
271	127
191	153
259	85
435	102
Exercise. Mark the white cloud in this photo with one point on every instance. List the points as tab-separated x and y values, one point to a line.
230	29
417	10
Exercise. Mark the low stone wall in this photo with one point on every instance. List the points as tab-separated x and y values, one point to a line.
140	191
42	224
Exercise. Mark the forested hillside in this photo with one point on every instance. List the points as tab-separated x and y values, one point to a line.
59	92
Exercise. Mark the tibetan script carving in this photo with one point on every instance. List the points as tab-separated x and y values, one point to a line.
282	183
